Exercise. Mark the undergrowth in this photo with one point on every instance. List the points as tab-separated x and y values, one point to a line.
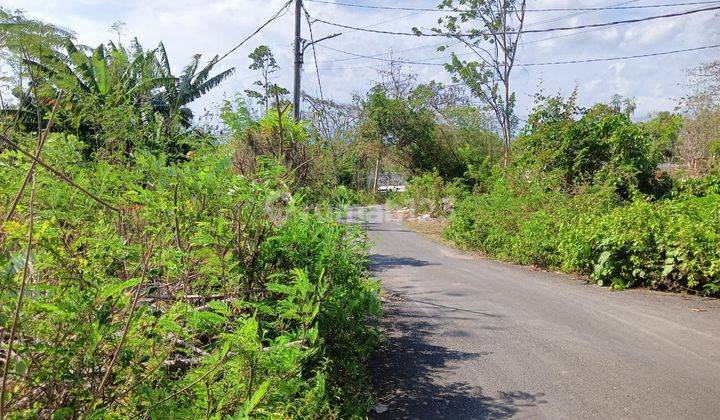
196	292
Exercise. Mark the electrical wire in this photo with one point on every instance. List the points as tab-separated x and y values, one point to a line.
283	9
312	44
548	63
380	54
524	31
553	9
580	13
626	57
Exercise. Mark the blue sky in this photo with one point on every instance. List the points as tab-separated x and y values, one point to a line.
212	27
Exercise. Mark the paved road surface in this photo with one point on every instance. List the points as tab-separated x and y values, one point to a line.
470	338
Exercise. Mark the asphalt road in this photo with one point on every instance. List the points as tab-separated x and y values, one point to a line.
472	338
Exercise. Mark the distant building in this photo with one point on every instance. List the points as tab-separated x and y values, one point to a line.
389	181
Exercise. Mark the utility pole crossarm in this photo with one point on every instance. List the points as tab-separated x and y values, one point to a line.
325	38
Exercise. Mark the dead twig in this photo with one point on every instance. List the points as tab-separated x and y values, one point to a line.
19	302
126	328
41	142
58	173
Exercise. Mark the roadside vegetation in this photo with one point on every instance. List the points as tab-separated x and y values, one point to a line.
158	263
594	192
153	267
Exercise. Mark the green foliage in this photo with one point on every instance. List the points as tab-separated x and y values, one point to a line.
583	147
664	130
33	37
430	194
670	244
667	244
273	134
116	99
484	23
218	294
407	130
426	136
264	62
572	201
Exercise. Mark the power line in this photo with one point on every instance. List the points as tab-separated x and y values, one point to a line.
380	54
548	63
280	12
312	43
579	13
626	57
552	9
390	60
564	28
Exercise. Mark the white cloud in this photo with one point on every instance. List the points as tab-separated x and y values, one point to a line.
213	26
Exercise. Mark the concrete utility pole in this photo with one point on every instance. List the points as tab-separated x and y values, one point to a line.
298	61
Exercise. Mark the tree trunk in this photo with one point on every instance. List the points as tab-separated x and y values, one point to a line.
377	170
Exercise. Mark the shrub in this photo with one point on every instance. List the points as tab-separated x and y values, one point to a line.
670	244
206	294
586	147
429	194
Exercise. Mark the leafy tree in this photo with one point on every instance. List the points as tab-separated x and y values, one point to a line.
625	105
407	132
699	144
579	147
491	30
194	82
102	81
23	39
664	130
263	61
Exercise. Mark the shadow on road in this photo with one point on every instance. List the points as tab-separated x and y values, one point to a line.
451	308
380	262
407	372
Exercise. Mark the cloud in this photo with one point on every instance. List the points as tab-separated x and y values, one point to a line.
214	26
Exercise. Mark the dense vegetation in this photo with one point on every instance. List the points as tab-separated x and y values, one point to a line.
154	265
583	194
149	267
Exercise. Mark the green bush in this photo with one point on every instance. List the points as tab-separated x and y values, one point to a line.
669	244
428	193
697	187
573	200
584	147
205	294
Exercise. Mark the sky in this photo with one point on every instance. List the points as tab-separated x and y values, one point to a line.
210	27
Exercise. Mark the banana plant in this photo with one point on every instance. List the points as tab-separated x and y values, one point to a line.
189	86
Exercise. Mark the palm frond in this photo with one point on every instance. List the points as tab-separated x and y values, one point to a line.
211	83
82	65
202	76
189	70
100	69
162	60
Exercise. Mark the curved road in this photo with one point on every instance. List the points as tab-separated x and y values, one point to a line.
472	338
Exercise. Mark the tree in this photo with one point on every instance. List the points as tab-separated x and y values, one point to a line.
491	30
111	88
193	83
263	61
626	106
664	129
699	140
573	147
23	39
